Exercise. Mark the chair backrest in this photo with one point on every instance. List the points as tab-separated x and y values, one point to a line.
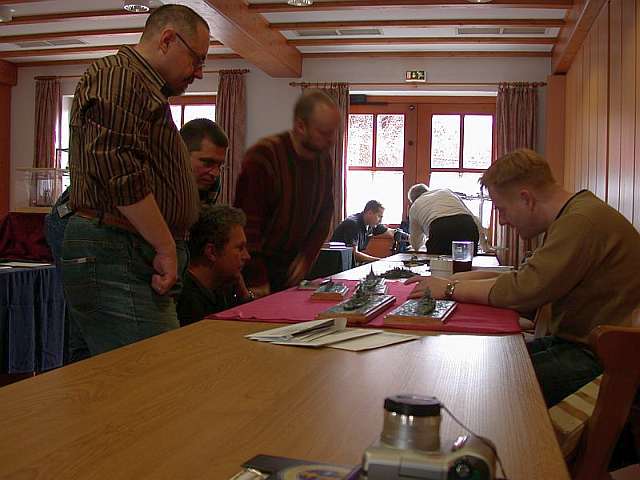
618	349
379	247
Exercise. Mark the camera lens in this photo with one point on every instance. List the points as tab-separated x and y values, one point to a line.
412	422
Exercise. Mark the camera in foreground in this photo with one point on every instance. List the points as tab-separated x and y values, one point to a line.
409	446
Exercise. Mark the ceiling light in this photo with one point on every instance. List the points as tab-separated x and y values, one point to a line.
136	6
479	1
300	3
6	14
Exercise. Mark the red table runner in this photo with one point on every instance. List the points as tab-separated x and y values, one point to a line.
292	306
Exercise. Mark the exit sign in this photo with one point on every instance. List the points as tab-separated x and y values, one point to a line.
416	76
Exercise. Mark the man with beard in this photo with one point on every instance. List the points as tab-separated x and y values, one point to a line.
586	269
207	144
285	188
218	251
132	188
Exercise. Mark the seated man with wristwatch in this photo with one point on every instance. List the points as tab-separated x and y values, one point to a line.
586	269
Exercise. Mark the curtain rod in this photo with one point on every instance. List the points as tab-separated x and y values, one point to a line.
59	77
416	84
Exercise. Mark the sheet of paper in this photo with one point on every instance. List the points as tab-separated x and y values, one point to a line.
373	341
290	331
24	264
327	338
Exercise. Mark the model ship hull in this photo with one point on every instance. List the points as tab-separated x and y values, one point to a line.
363	314
408	314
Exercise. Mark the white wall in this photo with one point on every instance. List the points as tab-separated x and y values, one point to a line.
270	100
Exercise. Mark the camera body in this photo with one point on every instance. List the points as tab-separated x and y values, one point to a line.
409	446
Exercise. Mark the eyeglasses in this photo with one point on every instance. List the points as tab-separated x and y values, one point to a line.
198	62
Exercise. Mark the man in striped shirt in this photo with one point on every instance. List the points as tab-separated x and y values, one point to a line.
285	188
133	191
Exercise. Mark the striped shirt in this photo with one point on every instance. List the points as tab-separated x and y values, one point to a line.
124	144
288	201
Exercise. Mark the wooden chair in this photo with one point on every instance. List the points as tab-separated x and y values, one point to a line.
618	348
379	247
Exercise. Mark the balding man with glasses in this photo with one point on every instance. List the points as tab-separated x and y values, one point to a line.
133	191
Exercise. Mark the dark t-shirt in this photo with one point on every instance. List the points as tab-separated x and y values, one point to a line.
196	301
353	231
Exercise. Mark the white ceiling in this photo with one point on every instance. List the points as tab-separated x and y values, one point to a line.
389	40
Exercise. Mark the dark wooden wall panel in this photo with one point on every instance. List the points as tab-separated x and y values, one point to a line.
628	114
615	104
600	49
602	131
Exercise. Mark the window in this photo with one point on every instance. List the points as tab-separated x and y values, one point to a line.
189	107
183	109
62	142
396	142
461	149
375	163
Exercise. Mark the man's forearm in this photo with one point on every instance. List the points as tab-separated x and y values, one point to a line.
363	257
147	219
474	291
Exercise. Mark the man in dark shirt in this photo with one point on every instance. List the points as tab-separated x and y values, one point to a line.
218	249
207	144
356	230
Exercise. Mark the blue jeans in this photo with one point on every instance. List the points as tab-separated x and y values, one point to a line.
562	367
106	273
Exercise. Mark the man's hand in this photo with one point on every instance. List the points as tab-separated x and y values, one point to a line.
166	266
437	286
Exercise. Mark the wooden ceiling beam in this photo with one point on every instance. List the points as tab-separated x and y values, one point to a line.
579	21
43	52
460	22
307	42
34	37
377	4
69	16
248	34
448	53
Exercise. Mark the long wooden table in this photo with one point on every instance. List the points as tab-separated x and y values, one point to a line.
196	402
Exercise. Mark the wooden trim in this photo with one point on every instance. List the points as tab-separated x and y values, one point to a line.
579	19
248	33
477	22
555	125
371	4
307	42
40	52
45	52
8	73
87	61
15	2
65	17
445	54
193	100
79	33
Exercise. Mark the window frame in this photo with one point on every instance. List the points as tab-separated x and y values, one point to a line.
375	109
190	100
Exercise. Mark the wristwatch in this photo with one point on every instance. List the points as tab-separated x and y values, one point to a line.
449	289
